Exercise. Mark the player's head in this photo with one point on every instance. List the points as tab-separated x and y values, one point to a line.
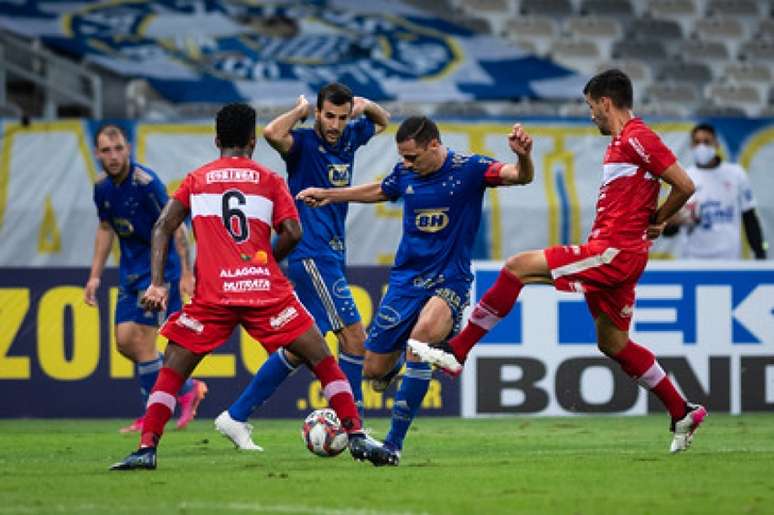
112	150
419	144
704	144
334	108
235	129
608	93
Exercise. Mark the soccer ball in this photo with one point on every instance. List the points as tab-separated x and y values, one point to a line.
323	434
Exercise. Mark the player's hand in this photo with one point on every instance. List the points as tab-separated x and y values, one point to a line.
314	197
187	283
519	141
303	107
359	105
90	291
655	230
155	298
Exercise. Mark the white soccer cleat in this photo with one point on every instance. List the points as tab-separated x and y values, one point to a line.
686	427
436	356
238	432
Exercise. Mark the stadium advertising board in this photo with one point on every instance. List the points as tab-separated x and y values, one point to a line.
710	324
58	357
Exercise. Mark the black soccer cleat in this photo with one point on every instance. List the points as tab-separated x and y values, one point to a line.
144	458
362	448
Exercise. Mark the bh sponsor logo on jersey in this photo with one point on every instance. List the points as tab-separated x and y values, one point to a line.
189	322
246	285
338	174
233	175
431	220
285	316
123	227
245	271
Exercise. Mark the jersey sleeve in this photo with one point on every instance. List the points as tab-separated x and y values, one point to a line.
746	199
183	193
649	152
363	129
157	195
391	184
295	149
284	205
102	213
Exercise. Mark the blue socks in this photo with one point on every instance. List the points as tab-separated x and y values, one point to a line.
407	401
271	374
352	366
147	372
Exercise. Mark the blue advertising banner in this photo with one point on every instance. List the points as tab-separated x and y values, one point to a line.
58	356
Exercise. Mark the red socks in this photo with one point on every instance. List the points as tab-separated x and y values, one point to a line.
339	393
496	303
161	405
640	363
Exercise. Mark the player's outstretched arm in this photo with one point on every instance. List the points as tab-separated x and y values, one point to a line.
523	171
372	111
103	242
682	189
364	193
186	272
288	235
169	220
277	132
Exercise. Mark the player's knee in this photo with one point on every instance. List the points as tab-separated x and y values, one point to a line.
517	263
372	370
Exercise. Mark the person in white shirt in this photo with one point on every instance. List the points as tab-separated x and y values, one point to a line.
710	222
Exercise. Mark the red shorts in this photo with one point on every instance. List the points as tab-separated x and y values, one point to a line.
606	276
202	328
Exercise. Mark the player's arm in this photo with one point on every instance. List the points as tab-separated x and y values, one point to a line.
277	132
186	272
169	220
103	242
288	236
364	193
752	229
372	111
523	171
682	189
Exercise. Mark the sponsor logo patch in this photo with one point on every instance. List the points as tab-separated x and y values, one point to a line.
285	316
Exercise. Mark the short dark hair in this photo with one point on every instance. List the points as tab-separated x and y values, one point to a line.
336	93
704	127
109	129
615	85
235	125
419	128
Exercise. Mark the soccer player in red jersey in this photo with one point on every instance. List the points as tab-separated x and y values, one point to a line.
234	204
607	267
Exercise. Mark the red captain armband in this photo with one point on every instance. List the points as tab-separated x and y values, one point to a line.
492	174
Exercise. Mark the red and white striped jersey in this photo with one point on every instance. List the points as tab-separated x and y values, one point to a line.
634	160
234	203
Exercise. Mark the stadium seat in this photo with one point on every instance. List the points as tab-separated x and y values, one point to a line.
744	8
712	53
502	7
754	74
765	29
667	32
744	97
600	29
711	110
728	30
698	74
683	12
460	109
646	50
758	51
662	109
554	8
619	9
582	55
541	31
673	94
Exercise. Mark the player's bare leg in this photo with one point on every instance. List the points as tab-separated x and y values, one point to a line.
640	364
179	363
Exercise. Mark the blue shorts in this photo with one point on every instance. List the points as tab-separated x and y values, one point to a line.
128	308
399	310
322	286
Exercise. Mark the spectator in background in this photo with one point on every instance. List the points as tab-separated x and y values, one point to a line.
709	223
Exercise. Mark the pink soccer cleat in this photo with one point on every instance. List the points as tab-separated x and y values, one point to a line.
189	402
134	427
686	427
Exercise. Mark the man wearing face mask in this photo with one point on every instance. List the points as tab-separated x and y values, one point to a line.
723	201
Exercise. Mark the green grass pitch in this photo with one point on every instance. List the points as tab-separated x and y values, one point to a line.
576	465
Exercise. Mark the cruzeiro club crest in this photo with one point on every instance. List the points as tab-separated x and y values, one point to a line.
312	42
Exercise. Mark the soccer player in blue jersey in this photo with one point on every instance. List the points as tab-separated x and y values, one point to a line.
322	156
129	198
442	192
